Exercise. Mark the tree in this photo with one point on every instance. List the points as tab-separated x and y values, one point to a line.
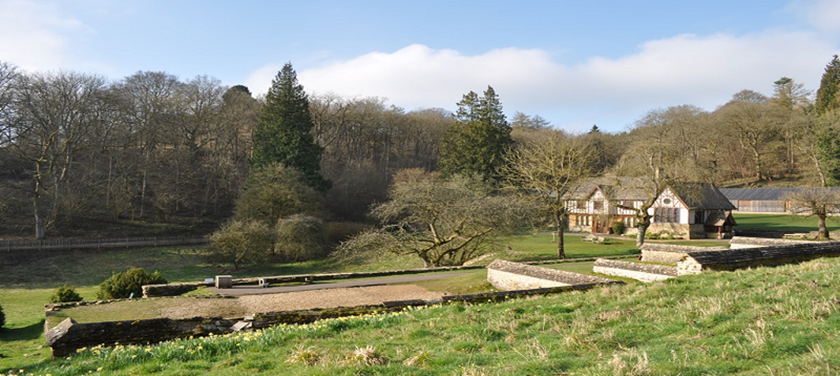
828	95
477	142
239	242
55	117
656	159
789	101
275	191
443	221
752	123
552	167
815	202
9	79
300	237
283	133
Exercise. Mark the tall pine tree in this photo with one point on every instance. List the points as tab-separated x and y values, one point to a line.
827	108
828	96
477	143
283	133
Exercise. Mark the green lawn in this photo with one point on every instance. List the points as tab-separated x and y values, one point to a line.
781	222
780	320
544	247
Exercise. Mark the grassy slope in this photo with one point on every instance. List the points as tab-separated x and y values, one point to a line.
779	320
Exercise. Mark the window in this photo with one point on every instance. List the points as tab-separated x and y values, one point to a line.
666	215
598	205
581	205
582	220
698	217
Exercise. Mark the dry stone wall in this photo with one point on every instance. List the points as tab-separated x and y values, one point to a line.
741	242
508	276
697	262
634	270
671	254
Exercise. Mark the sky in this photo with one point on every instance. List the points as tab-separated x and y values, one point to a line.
574	63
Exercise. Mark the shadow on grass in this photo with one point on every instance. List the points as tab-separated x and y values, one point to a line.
33	331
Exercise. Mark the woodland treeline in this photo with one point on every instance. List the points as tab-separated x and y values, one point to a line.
153	148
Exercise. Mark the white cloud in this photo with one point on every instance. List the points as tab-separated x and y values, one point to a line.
821	14
684	69
34	36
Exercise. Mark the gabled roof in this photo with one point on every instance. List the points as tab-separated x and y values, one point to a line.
702	196
720	218
614	189
693	195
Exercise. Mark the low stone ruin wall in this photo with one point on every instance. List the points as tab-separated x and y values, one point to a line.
634	270
172	289
696	262
671	254
741	242
509	276
68	336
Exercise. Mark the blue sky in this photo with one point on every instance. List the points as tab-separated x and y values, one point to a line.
575	63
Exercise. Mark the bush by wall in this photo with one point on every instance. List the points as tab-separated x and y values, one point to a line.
122	285
65	294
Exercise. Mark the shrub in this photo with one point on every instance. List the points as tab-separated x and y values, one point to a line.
122	285
300	237
619	228
241	241
2	318
65	294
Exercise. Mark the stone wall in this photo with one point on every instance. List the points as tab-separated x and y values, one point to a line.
634	270
677	230
173	289
68	336
671	254
741	242
752	257
506	275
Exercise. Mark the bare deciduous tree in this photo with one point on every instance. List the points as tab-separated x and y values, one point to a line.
815	202
441	221
550	168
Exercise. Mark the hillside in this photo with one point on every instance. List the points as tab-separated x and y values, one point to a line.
779	320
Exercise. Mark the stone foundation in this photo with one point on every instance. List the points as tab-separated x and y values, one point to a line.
68	336
634	270
741	242
508	276
671	254
697	262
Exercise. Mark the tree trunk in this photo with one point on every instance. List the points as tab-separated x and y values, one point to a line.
640	237
561	246
822	233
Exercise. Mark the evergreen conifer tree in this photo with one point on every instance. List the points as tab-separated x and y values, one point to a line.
283	133
477	143
828	96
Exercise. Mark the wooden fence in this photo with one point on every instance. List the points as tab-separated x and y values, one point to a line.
98	243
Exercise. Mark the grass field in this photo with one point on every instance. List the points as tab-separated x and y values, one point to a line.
781	222
775	321
28	279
